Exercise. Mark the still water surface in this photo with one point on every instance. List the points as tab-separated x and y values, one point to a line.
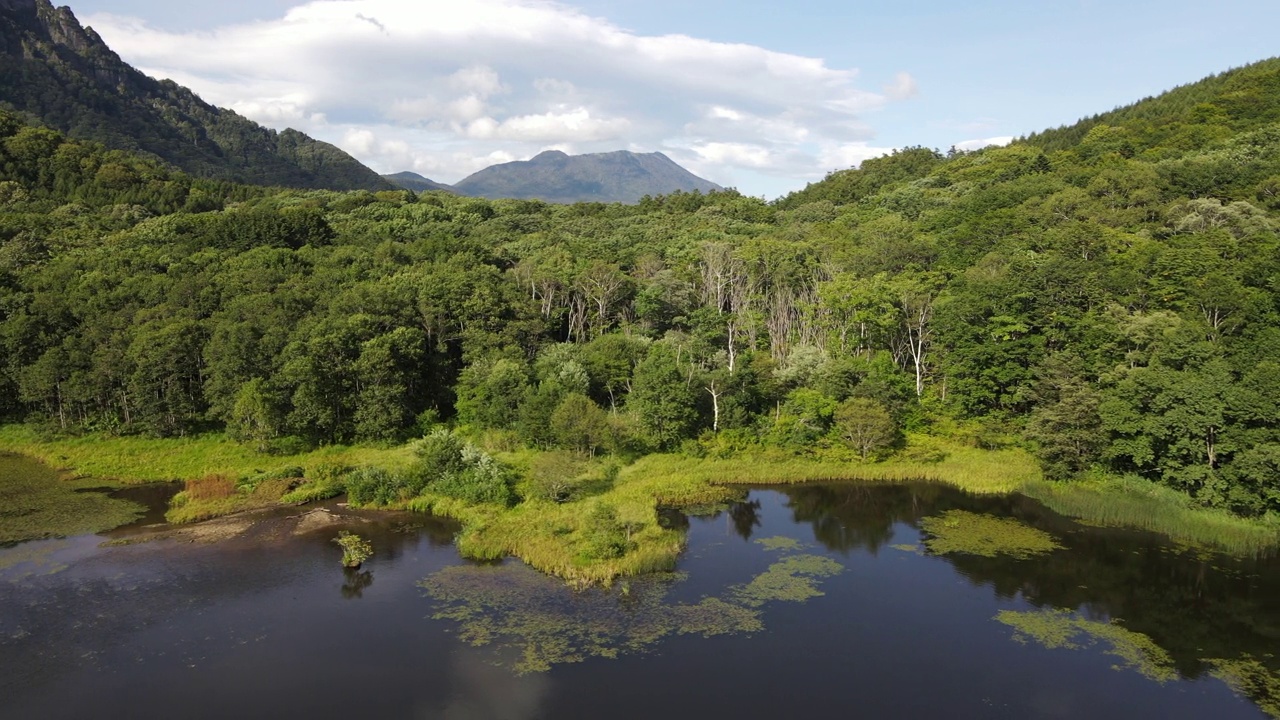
270	625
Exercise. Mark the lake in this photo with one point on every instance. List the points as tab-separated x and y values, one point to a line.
815	601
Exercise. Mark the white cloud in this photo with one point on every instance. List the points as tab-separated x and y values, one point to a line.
903	87
842	157
576	124
740	154
446	87
971	145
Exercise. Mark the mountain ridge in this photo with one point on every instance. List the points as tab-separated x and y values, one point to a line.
417	183
554	176
62	74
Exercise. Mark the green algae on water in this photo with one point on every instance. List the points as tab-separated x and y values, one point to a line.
1247	676
39	504
958	531
780	544
534	621
1064	629
793	579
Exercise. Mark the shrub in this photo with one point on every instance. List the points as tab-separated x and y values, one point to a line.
289	445
604	537
375	486
866	426
453	468
554	475
285	473
355	549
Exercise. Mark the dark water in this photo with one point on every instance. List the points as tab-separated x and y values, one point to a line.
249	628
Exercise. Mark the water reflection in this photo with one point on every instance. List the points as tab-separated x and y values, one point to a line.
356	582
1198	607
241	627
745	517
484	691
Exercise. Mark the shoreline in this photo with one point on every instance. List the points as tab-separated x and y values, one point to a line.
556	538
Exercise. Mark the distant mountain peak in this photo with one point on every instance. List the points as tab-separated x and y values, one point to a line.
550	156
415	182
554	176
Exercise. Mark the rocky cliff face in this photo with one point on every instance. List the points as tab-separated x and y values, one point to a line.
62	74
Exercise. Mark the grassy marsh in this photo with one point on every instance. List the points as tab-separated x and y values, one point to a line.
41	503
1135	504
135	460
551	529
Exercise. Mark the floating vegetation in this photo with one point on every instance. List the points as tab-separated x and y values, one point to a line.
542	622
713	617
534	622
794	579
1055	629
780	544
39	504
1249	677
959	531
916	549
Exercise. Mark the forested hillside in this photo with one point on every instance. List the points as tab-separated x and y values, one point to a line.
1105	294
65	76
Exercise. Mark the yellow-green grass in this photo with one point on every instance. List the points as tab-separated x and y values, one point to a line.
188	507
1115	502
549	536
135	460
981	472
553	537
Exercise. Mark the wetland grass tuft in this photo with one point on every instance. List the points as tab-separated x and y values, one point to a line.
1127	503
208	498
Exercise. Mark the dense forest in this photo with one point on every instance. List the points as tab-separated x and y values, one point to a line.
1105	294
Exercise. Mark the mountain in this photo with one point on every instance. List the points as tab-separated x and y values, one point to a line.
553	176
61	74
415	182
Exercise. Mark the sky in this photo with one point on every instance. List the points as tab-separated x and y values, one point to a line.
759	95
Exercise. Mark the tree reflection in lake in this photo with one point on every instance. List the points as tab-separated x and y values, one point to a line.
355	582
1198	606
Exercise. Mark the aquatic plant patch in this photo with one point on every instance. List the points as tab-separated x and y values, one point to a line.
959	531
533	621
793	579
37	503
1064	629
